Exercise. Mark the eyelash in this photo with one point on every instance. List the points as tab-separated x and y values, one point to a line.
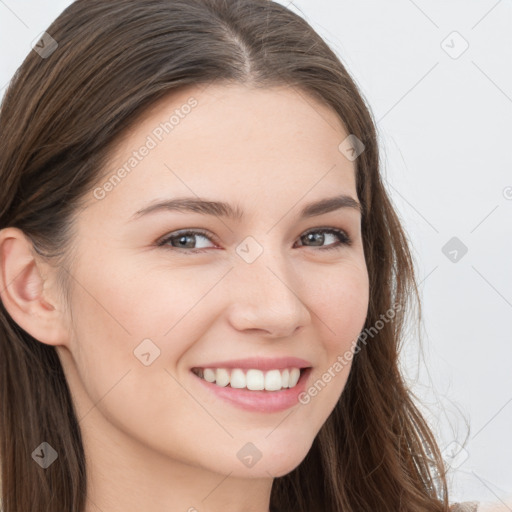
344	239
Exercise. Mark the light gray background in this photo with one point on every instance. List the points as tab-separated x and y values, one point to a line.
444	123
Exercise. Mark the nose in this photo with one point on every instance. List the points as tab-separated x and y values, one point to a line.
266	297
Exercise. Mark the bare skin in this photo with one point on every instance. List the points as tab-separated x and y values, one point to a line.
155	438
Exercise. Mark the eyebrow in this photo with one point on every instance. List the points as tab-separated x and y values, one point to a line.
222	209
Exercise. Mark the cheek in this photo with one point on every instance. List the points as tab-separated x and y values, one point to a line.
129	300
122	305
340	301
112	317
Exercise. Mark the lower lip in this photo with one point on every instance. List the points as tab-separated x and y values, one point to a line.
259	401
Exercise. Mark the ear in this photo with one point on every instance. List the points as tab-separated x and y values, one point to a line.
22	289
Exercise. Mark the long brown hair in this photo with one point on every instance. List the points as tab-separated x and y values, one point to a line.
66	107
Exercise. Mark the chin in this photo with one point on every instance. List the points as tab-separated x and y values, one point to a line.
280	465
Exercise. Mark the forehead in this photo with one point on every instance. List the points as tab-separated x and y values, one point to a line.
231	140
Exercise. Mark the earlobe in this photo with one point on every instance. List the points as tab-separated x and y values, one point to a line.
22	289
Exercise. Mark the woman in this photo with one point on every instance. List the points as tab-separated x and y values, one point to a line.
140	371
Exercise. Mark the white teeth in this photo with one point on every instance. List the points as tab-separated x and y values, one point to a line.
254	380
209	375
221	377
237	379
273	380
294	377
285	378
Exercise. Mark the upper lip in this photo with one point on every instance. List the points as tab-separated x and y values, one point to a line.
260	363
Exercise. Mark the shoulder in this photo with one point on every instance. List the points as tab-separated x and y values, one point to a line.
480	506
496	506
466	506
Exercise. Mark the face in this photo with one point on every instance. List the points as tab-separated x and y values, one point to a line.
163	294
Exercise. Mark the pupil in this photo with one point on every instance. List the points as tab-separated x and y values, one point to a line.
312	236
182	240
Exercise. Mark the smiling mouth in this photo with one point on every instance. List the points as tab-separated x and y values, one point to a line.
251	379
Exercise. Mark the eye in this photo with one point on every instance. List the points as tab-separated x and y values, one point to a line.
188	239
319	236
184	240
